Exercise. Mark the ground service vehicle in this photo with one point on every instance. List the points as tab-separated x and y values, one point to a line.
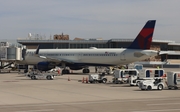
173	80
152	83
94	78
122	75
35	75
149	73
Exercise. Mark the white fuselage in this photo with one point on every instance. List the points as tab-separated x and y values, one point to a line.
91	56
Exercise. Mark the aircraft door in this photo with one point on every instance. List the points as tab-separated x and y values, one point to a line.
123	56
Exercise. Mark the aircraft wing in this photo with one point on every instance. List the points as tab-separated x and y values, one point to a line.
55	60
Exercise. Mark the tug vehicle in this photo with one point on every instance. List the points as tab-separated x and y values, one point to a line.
152	83
100	78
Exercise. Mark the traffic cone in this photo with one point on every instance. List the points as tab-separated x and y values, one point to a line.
86	80
69	78
83	80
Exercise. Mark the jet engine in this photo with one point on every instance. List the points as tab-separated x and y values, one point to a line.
45	66
75	67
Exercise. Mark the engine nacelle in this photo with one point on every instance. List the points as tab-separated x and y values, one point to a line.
75	67
45	66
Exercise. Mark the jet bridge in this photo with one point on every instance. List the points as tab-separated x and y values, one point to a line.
9	54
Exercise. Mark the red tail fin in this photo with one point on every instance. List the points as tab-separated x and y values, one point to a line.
144	38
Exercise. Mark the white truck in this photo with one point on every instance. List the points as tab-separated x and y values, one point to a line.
173	80
122	75
100	78
157	83
37	75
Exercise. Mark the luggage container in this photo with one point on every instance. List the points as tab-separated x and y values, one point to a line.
122	75
173	80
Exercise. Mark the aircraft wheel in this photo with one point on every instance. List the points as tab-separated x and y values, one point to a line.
149	88
104	80
48	77
84	70
67	71
160	87
33	77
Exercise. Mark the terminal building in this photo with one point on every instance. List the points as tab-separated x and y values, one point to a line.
171	48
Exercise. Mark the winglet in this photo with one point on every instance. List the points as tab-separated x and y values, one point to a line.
144	38
37	50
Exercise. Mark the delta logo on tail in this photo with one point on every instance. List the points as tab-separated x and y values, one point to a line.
144	38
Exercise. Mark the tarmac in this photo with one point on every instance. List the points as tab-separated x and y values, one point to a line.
67	93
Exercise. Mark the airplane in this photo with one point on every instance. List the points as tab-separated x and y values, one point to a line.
77	59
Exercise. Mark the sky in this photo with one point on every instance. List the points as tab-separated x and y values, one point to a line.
107	19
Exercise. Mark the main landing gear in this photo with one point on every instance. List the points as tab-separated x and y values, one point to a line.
65	71
86	70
